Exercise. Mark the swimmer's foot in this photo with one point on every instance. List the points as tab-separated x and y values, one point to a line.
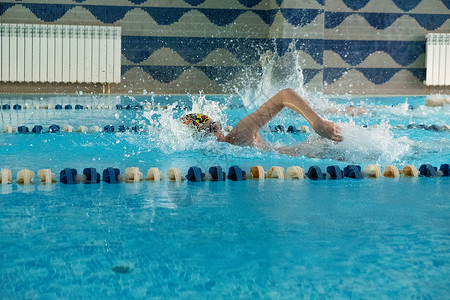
328	130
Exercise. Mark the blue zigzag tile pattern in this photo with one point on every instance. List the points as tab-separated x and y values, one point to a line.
166	15
194	50
384	20
355	52
374	75
221	75
405	5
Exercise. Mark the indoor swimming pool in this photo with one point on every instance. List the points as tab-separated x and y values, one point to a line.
273	238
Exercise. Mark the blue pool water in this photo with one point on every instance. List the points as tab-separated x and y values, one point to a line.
372	238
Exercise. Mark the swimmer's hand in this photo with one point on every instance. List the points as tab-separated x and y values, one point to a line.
328	130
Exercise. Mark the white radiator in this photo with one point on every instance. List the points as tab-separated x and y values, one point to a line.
438	59
60	53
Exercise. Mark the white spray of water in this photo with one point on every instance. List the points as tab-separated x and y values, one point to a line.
376	145
170	134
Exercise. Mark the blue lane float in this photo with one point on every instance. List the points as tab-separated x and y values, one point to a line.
217	173
335	172
17	107
67	176
68	106
6	107
353	171
427	170
108	128
315	173
58	106
278	128
122	128
92	176
37	129
23	129
79	107
445	169
235	173
111	175
54	128
136	128
292	129
195	174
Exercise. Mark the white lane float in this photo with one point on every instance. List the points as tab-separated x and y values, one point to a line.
372	170
295	172
25	176
46	176
276	173
5	176
153	174
391	171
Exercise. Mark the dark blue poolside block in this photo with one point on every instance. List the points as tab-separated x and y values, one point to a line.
6	106
353	171
17	107
108	128
195	174
91	175
217	173
67	176
235	173
111	175
427	170
23	129
122	128
58	106
54	128
78	106
335	172
68	106
315	173
445	169
37	129
292	129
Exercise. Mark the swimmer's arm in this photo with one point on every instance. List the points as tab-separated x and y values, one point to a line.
290	99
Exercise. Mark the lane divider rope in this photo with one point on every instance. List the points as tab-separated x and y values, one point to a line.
216	173
54	128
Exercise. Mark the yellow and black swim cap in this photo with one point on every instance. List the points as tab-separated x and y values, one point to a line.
197	120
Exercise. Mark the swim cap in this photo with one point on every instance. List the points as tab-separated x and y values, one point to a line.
197	120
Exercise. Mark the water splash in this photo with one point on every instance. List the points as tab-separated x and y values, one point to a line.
360	145
170	134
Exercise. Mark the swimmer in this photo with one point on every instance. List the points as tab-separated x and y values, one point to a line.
245	133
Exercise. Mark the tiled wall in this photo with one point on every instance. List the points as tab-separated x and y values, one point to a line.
178	46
